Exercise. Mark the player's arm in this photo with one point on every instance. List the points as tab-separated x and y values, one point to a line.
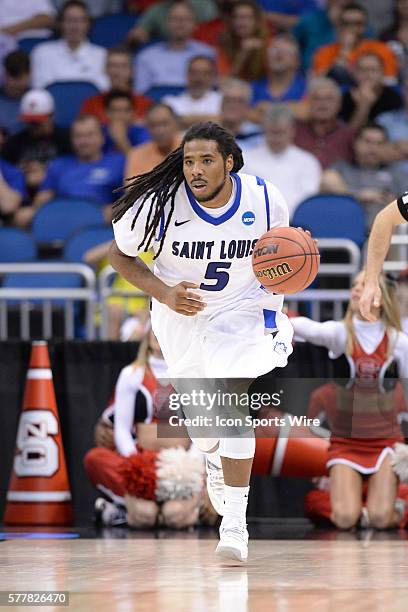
379	242
134	270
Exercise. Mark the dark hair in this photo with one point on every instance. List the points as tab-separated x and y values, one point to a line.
371	126
17	63
70	4
119	50
161	183
355	6
116	94
156	105
86	117
206	58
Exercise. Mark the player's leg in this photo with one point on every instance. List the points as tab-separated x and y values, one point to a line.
381	497
345	495
237	455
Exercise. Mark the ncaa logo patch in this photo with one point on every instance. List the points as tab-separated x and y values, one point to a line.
248	218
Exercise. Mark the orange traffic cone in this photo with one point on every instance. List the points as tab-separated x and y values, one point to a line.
290	450
39	491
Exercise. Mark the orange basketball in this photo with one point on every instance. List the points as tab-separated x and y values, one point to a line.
285	260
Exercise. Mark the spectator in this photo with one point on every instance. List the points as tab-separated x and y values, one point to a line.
380	14
119	72
73	57
40	139
16	83
88	174
296	173
397	35
284	82
30	18
200	102
323	134
210	32
366	177
165	63
285	14
163	127
97	8
242	49
395	124
316	29
370	96
12	191
235	110
337	58
121	133
152	23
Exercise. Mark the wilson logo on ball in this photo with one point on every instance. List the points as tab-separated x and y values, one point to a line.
267	250
275	271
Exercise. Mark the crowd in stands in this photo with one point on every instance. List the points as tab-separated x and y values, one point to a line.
314	91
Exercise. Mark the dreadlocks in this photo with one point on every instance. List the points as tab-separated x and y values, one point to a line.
160	185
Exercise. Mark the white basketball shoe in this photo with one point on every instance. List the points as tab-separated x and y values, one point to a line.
215	486
233	544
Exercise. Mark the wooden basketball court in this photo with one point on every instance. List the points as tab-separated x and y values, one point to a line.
180	573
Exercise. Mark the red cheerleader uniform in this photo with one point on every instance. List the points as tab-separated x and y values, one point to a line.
365	425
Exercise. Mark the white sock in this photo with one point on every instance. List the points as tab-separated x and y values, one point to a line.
236	501
215	458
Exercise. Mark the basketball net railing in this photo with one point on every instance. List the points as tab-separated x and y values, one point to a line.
27	299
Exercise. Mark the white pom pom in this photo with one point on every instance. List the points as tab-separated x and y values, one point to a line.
399	461
179	474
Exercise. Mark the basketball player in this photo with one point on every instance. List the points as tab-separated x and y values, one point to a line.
203	219
364	426
384	224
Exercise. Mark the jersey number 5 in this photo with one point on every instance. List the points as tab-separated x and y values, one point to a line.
214	272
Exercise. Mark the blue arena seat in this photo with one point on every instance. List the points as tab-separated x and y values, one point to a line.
157	92
111	30
69	97
16	246
83	240
38	280
332	216
27	44
55	221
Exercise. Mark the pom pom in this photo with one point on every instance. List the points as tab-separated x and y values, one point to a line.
139	474
400	461
179	474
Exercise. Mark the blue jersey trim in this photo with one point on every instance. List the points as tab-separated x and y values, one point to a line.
161	228
230	212
269	318
260	181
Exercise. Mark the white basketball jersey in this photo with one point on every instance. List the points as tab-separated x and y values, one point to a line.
213	252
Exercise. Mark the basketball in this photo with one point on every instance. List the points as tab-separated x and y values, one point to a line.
285	260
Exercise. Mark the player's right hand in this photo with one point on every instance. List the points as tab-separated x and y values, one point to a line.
183	301
370	298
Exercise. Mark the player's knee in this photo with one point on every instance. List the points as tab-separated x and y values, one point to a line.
141	512
380	518
345	518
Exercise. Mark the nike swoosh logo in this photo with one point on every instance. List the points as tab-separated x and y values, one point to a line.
178	223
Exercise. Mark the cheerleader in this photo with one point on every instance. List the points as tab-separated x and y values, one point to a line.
367	355
127	440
